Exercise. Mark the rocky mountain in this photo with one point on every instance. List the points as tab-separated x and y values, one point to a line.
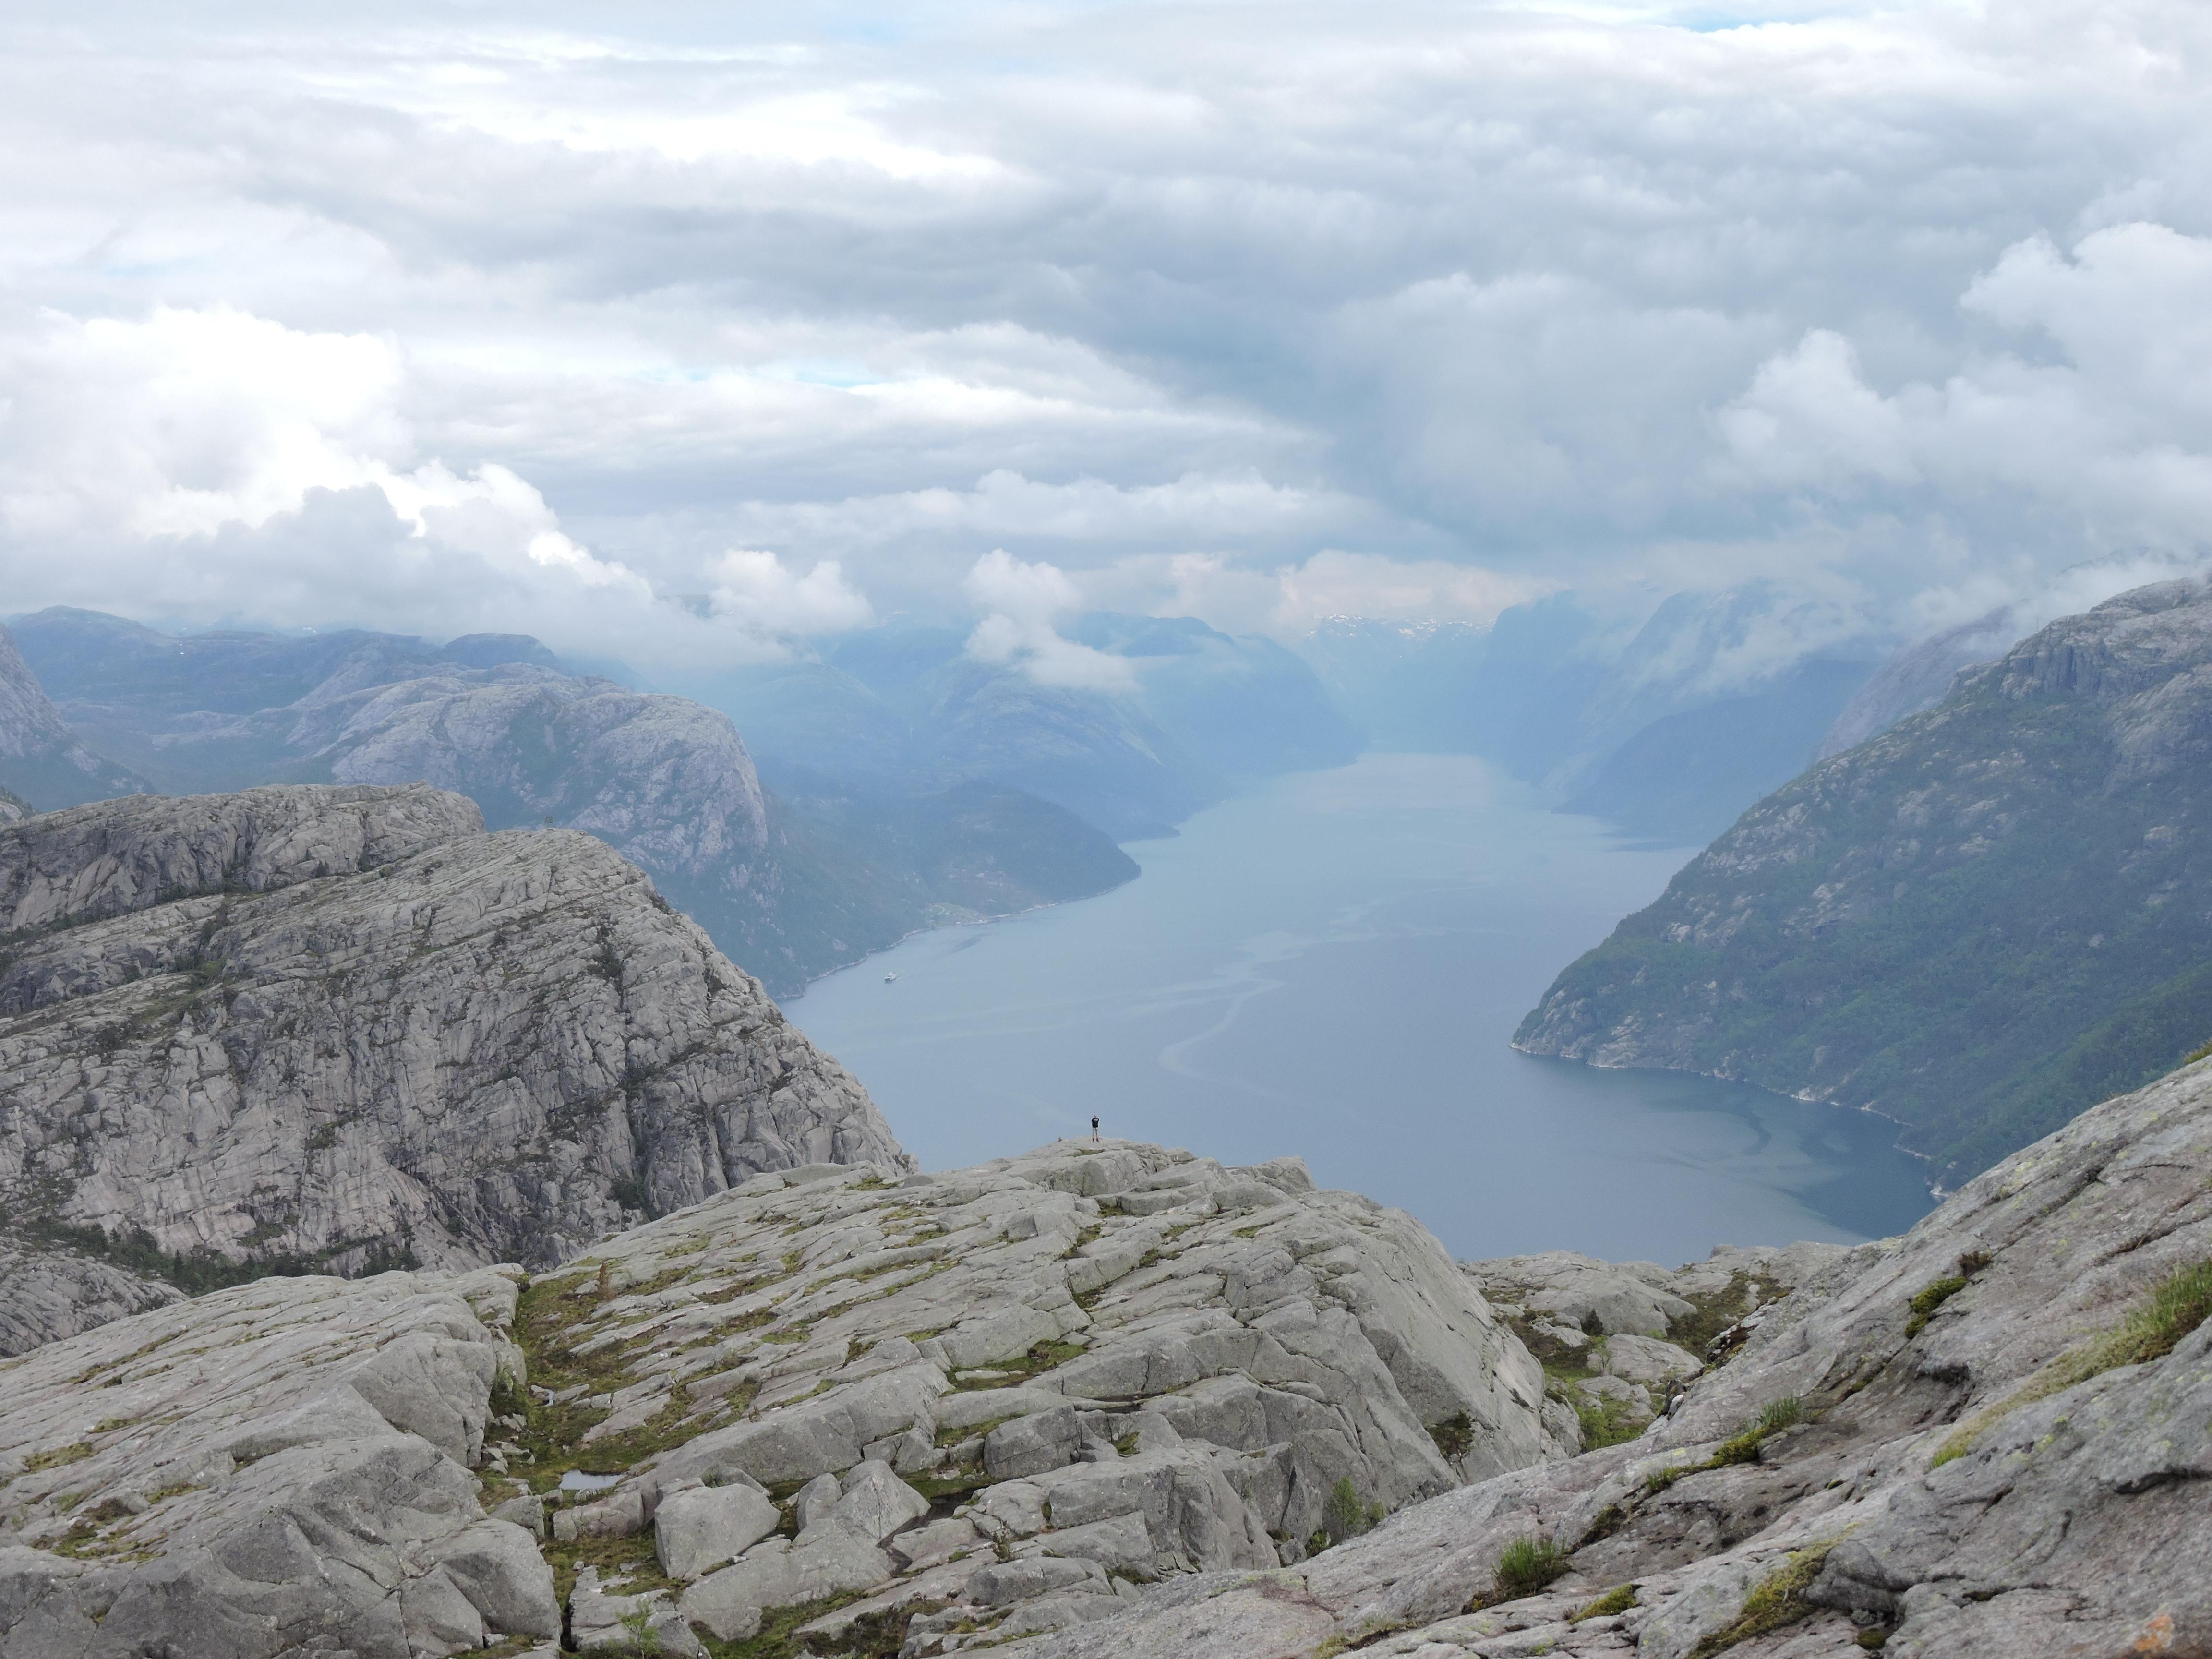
1979	923
344	1028
42	764
792	888
1917	678
1109	1401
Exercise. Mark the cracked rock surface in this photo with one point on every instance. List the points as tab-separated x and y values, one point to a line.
281	1468
1929	1479
1021	1390
319	1026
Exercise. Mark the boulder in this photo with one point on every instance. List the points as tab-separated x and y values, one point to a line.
1646	1359
778	1573
598	1619
1018	1581
701	1527
875	1503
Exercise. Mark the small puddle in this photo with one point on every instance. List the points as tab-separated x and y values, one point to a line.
577	1480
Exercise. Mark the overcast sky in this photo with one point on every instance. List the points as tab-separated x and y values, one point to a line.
692	328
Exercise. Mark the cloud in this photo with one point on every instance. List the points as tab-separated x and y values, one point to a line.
534	317
1022	600
762	596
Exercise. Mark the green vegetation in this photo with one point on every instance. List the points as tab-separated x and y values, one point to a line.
1619	1600
1774	1417
1454	1436
1776	1601
2168	1311
198	1271
872	1636
1525	1566
1343	1514
1931	1298
58	1458
1044	1357
1927	987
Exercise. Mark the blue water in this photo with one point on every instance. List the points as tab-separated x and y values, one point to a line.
1332	966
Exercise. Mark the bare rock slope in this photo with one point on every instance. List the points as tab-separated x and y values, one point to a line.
1022	1391
281	1468
1989	1436
309	1025
1114	1402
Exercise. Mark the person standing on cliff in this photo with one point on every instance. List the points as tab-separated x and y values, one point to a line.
1094	1125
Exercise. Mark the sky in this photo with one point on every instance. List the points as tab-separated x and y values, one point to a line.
691	333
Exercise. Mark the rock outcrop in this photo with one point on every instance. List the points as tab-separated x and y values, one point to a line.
1988	1437
1106	1401
323	1026
41	763
1023	1390
1981	921
282	1468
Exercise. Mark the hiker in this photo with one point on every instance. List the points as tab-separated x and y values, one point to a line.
1094	1126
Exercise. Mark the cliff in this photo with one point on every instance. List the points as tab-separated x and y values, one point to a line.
345	1027
1978	922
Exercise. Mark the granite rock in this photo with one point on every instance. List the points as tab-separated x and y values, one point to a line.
317	1026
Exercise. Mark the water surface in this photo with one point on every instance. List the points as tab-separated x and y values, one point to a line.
1331	966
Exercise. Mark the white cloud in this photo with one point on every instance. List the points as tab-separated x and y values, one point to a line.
529	320
1022	600
756	590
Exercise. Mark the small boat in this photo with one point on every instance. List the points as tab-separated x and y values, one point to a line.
887	978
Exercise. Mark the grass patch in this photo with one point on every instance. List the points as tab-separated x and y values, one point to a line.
1619	1600
1930	1297
631	1559
1041	1358
2168	1311
60	1458
1775	1601
1774	1416
1525	1566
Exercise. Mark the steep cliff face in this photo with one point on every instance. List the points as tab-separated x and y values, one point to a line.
345	1026
41	763
1978	922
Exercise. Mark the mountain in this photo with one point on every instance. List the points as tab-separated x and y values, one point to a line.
1989	917
1684	778
1917	678
791	891
1104	1401
1668	729
907	710
42	764
343	1028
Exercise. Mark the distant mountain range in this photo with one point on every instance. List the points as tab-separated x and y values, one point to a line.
789	889
1668	730
1980	922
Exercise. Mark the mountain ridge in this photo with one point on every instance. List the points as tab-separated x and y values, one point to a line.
1978	923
